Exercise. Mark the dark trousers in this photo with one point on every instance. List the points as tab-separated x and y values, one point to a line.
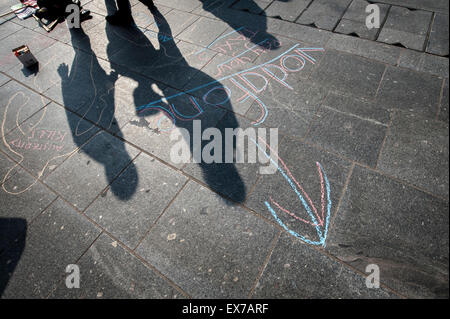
125	8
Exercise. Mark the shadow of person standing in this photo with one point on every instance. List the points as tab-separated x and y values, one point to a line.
168	64
256	23
89	91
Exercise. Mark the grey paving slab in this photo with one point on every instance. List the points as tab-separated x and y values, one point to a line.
243	44
151	129
354	20
100	160
7	28
89	24
443	111
299	60
162	58
221	72
3	79
351	136
438	41
289	110
17	103
207	246
355	28
108	271
279	47
423	62
28	23
416	150
61	31
46	139
180	64
89	87
356	11
184	5
22	199
129	220
298	32
233	180
348	74
6	5
100	7
129	82
369	49
406	27
287	10
203	32
435	65
409	90
123	97
298	165
400	229
430	5
324	14
105	40
142	15
82	83
46	74
297	271
370	111
237	20
212	8
7	164
253	6
177	20
56	239
35	41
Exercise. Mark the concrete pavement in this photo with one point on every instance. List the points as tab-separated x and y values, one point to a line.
362	162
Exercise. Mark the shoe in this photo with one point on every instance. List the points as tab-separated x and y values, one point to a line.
119	19
85	15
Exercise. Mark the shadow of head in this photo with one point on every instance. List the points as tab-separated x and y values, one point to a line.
256	22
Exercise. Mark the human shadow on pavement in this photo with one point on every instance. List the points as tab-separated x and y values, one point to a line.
88	90
12	244
259	24
145	60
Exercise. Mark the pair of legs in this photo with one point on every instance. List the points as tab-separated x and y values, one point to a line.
123	14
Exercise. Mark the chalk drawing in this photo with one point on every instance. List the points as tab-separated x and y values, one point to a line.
18	144
241	81
240	86
34	139
319	221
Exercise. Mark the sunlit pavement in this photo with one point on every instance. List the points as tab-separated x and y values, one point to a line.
359	184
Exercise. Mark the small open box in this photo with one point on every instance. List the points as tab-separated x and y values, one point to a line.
25	56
